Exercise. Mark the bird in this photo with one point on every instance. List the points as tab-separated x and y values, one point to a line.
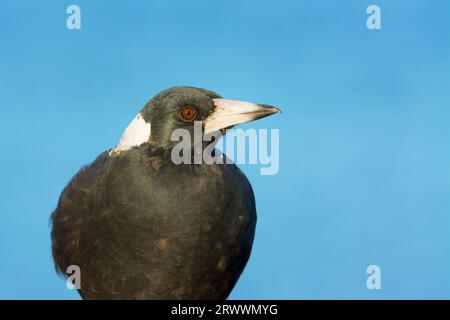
139	226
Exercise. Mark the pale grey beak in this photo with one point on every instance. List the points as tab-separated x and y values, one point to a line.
231	112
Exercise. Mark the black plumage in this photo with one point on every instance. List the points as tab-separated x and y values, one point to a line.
141	227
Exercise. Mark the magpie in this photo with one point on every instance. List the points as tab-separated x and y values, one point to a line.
139	226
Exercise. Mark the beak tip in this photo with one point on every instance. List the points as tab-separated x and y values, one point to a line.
271	108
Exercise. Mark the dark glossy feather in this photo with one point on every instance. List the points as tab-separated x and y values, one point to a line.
141	227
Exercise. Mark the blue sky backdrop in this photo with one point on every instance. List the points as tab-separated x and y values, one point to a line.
364	134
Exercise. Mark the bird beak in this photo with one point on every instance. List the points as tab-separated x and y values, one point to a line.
228	113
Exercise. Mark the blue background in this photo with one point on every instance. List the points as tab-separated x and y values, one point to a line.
365	130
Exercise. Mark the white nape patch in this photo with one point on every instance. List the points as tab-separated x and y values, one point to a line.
137	132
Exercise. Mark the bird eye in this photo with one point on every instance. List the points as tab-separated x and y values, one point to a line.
188	113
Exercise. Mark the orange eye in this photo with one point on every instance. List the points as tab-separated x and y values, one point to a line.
187	113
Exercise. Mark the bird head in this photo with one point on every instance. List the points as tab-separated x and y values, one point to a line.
180	107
